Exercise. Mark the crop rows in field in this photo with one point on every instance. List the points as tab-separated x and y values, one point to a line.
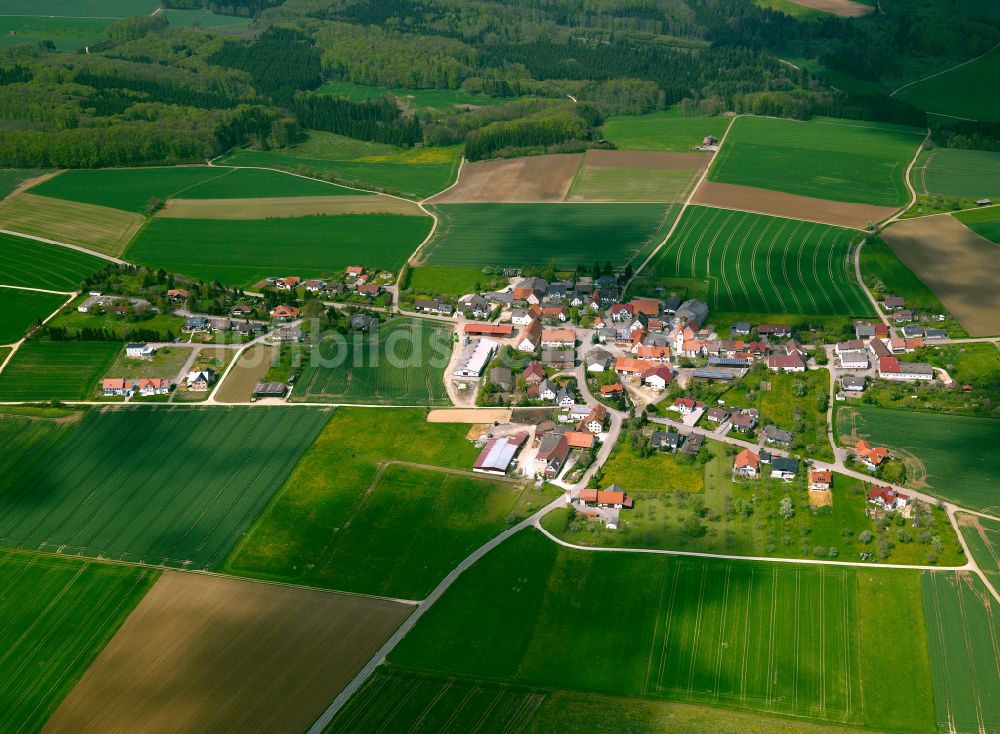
47	370
841	161
959	172
513	235
964	635
34	264
98	228
763	264
19	309
392	700
174	486
403	364
57	615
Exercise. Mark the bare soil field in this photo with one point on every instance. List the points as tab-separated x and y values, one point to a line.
541	178
962	268
779	204
289	206
212	654
648	160
459	415
98	227
253	365
843	8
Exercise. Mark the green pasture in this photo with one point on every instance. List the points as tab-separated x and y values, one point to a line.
166	486
33	264
416	99
203	18
244	252
961	92
450	281
514	235
963	629
664	130
81	8
984	222
935	449
369	508
49	370
957	172
67	34
58	614
842	161
403	364
11	178
20	309
774	638
765	264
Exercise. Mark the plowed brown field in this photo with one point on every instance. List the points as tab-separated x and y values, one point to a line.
540	178
289	206
647	160
961	267
211	654
776	203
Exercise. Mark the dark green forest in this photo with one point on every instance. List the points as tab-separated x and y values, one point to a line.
150	93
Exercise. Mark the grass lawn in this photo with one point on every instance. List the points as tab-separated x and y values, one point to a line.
765	264
445	281
167	362
58	614
36	264
244	252
20	309
959	92
963	173
661	472
841	161
984	222
11	178
764	637
935	449
47	370
98	228
963	625
515	235
403	364
168	325
742	517
346	519
171	486
664	130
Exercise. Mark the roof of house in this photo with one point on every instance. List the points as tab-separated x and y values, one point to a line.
783	464
627	364
776	434
650	352
588	495
534	367
785	361
647	306
490	329
745	458
559	335
876	454
553	445
579	439
887	494
499	452
611	389
660	370
821	476
115	383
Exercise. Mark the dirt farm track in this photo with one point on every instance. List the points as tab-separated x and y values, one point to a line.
961	267
780	204
209	654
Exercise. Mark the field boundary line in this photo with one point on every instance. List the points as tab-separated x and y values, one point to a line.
951	68
79	248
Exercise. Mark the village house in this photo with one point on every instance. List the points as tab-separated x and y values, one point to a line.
740	328
558	337
820	479
314	285
354	271
362	321
629	367
431	305
579	440
289	333
853	383
692	313
902	316
791	361
199	380
139	350
888	499
653	353
718	415
891	303
531	290
745	421
561	359
621	312
284	313
783	468
552	453
498	453
778	331
533	373
194	324
666	441
177	294
747	464
148	386
890	368
547	390
871	457
564	398
594	422
686	406
599	360
905	346
241	309
474	306
774	435
556	292
372	290
116	387
657	377
531	337
612	391
286	284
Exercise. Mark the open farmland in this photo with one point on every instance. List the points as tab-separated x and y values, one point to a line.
774	638
28	434
81	8
841	161
514	235
958	172
815	8
12	178
20	309
542	178
289	206
960	266
252	366
963	627
33	264
664	130
205	653
66	34
203	18
244	252
96	227
57	615
765	264
961	92
983	538
170	486
935	449
403	364
880	263
619	175
416	521
984	222
48	370
392	700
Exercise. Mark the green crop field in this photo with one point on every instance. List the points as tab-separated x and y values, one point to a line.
963	627
880	264
631	184
398	529
403	364
984	222
66	34
98	228
935	449
58	614
245	252
841	161
48	370
415	173
513	235
665	130
11	178
765	264
775	638
28	434
957	172
81	8
441	281
203	18
983	538
20	309
251	183
961	92
170	486
392	701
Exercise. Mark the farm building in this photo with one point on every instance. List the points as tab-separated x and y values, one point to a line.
657	377
786	363
531	338
497	330
552	453
498	453
474	358
890	368
269	390
628	367
598	361
139	350
502	378
854	359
